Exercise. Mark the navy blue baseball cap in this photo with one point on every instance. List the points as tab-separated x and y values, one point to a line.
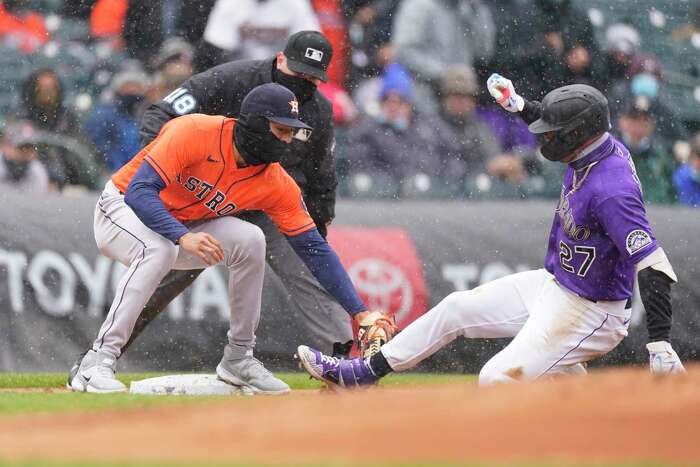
274	102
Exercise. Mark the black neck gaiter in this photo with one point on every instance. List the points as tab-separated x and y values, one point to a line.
303	89
256	143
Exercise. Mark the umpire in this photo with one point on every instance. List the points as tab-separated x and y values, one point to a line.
308	159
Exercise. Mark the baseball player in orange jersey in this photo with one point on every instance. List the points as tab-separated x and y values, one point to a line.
170	208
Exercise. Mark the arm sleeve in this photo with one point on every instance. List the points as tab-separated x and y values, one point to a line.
325	265
655	290
531	112
143	197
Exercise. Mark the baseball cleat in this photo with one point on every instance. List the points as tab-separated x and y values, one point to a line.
336	372
96	374
74	369
239	368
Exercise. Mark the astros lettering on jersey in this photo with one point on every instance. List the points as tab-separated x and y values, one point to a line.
195	157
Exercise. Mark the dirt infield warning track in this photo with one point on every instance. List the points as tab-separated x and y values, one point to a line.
624	415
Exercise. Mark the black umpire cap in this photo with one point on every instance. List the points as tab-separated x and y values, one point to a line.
309	53
274	102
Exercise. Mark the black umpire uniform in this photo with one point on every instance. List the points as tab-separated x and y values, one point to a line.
308	159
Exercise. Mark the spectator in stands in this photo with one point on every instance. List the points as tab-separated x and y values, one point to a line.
107	20
431	35
22	28
20	168
687	177
345	112
622	44
568	32
369	33
532	60
477	144
646	79
251	29
143	29
690	29
332	24
113	126
43	105
173	65
636	127
400	148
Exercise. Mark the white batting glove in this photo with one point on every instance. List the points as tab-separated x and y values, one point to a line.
502	90
663	360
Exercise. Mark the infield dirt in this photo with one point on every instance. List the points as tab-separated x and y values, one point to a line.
614	415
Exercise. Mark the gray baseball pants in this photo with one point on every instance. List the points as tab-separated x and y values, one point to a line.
319	312
120	235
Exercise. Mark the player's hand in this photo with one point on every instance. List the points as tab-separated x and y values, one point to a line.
663	360
204	246
502	90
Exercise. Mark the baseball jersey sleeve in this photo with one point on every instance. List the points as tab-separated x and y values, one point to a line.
177	146
624	219
286	207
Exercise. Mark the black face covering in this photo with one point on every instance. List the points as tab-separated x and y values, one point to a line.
302	88
16	169
256	143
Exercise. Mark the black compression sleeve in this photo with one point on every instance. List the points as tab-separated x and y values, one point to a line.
531	111
655	289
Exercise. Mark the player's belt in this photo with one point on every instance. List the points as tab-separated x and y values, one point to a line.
628	304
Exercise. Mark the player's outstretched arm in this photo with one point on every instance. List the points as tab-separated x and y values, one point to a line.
503	91
375	328
655	276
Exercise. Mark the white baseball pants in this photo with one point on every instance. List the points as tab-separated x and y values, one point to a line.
121	236
553	328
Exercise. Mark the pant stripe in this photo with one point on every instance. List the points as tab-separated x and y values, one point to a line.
577	345
143	255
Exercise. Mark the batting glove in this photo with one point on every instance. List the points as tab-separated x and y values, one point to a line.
663	360
502	90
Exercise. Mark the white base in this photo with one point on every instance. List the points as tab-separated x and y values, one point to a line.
187	385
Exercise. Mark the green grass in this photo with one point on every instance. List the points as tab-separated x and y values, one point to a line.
296	380
19	402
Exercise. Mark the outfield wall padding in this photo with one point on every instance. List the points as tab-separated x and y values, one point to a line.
55	287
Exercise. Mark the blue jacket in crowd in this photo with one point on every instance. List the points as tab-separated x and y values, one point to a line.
114	133
687	182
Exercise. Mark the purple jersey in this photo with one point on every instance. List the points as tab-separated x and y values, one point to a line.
600	229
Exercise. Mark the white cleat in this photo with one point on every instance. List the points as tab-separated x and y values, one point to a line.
96	374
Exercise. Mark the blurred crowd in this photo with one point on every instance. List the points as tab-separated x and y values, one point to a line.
412	118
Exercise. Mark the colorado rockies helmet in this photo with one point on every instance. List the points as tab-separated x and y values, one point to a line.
572	115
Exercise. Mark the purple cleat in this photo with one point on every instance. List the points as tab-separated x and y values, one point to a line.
336	372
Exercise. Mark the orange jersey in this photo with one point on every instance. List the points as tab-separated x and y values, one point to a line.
195	156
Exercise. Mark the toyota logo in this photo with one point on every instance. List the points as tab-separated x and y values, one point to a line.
383	285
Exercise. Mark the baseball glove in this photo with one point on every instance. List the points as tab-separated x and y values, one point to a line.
376	329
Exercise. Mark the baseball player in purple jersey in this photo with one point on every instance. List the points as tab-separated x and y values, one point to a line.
578	307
